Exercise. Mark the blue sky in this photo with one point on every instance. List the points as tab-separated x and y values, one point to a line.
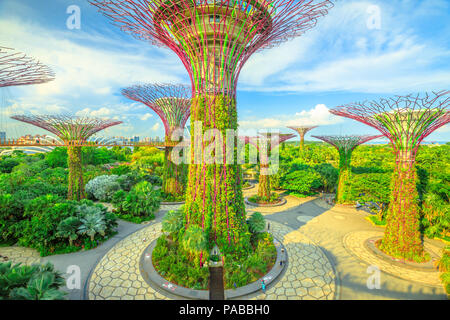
342	60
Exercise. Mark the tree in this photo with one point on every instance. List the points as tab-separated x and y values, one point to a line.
405	121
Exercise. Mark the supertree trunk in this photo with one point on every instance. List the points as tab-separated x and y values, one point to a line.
264	188
174	176
402	237
405	121
302	144
74	162
344	176
214	198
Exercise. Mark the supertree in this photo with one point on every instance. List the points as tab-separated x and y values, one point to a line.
302	131
214	39
345	146
74	132
17	69
405	121
171	102
265	145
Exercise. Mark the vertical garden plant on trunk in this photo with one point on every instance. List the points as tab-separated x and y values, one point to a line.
405	121
171	102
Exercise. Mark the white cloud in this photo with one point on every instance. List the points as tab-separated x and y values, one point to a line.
319	115
146	116
155	127
342	54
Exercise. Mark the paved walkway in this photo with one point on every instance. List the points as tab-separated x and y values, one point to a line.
309	274
85	260
326	258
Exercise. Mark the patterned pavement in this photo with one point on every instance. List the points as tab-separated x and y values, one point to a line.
309	274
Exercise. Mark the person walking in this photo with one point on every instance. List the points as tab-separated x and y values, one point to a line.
263	286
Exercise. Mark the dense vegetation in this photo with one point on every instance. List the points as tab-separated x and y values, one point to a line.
35	282
35	212
178	252
372	166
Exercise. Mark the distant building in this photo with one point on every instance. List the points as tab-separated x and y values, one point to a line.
2	137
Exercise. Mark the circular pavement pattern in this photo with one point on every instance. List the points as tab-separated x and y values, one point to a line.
309	274
354	243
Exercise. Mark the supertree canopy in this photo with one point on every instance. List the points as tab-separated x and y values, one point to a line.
214	39
302	131
265	144
345	146
74	132
17	69
405	121
172	104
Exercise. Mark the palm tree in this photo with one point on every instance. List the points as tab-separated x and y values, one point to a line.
68	229
92	224
194	240
173	221
256	223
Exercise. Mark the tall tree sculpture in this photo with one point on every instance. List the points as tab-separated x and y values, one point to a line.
265	145
302	131
172	104
214	39
74	132
345	146
17	69
405	121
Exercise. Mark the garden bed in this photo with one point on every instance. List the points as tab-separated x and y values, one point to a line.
428	266
280	202
152	276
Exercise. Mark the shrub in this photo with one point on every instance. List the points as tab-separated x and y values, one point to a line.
8	164
57	158
129	180
120	170
173	222
140	204
303	182
256	223
36	282
48	219
102	188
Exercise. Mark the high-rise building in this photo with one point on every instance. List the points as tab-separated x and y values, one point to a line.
2	137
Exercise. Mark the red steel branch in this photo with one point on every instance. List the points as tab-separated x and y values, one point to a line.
68	128
212	38
17	69
171	102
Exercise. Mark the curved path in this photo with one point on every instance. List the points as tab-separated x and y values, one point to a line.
309	274
323	244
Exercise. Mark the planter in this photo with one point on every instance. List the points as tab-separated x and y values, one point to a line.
249	187
168	203
153	278
281	202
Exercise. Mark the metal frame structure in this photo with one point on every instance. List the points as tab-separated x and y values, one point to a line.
302	131
265	144
345	145
405	121
17	69
74	132
213	40
171	102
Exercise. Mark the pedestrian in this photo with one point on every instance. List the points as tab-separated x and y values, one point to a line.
268	226
281	263
263	286
235	286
